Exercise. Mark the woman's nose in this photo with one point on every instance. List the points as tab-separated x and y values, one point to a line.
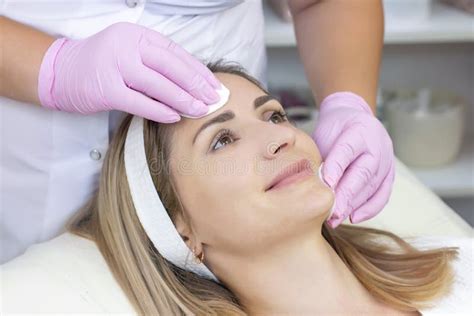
277	140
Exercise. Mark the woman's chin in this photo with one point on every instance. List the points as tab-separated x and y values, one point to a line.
312	198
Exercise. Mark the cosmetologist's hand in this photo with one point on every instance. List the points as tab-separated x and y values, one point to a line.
125	67
359	161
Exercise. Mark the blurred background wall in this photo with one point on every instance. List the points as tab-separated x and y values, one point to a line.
426	89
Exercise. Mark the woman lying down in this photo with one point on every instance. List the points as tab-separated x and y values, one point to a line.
189	221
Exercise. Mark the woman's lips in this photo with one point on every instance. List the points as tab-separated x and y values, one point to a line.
293	173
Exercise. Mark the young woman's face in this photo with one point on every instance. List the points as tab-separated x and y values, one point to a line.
222	179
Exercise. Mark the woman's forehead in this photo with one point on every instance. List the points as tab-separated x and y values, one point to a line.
240	87
242	96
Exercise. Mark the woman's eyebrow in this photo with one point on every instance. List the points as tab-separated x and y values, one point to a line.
228	115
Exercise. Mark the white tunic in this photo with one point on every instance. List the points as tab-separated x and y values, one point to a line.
50	160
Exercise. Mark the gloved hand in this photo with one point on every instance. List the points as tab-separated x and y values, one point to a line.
358	157
125	67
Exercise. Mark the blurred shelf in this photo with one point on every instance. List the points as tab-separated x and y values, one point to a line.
452	180
445	24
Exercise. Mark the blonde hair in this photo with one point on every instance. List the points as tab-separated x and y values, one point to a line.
395	272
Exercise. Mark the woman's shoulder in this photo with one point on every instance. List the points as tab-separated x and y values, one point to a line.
461	297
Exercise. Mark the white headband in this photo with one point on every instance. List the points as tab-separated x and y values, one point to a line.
150	210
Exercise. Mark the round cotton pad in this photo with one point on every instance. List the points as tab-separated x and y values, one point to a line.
223	93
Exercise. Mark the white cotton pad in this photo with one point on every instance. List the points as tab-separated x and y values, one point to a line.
320	174
223	93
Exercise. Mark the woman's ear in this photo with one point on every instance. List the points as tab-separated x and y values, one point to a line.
184	230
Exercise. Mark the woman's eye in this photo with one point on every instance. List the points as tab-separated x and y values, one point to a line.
280	115
226	136
222	138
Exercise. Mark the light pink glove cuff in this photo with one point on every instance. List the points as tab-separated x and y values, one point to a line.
46	74
346	99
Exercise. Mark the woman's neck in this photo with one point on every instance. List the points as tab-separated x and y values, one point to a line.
304	277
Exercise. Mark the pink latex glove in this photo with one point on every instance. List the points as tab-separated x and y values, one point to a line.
125	67
358	157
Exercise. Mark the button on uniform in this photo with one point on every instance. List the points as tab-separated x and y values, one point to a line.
95	154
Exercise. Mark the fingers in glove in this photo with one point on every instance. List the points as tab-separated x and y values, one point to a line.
355	180
160	88
378	200
346	149
137	103
178	71
160	40
380	172
334	222
200	67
